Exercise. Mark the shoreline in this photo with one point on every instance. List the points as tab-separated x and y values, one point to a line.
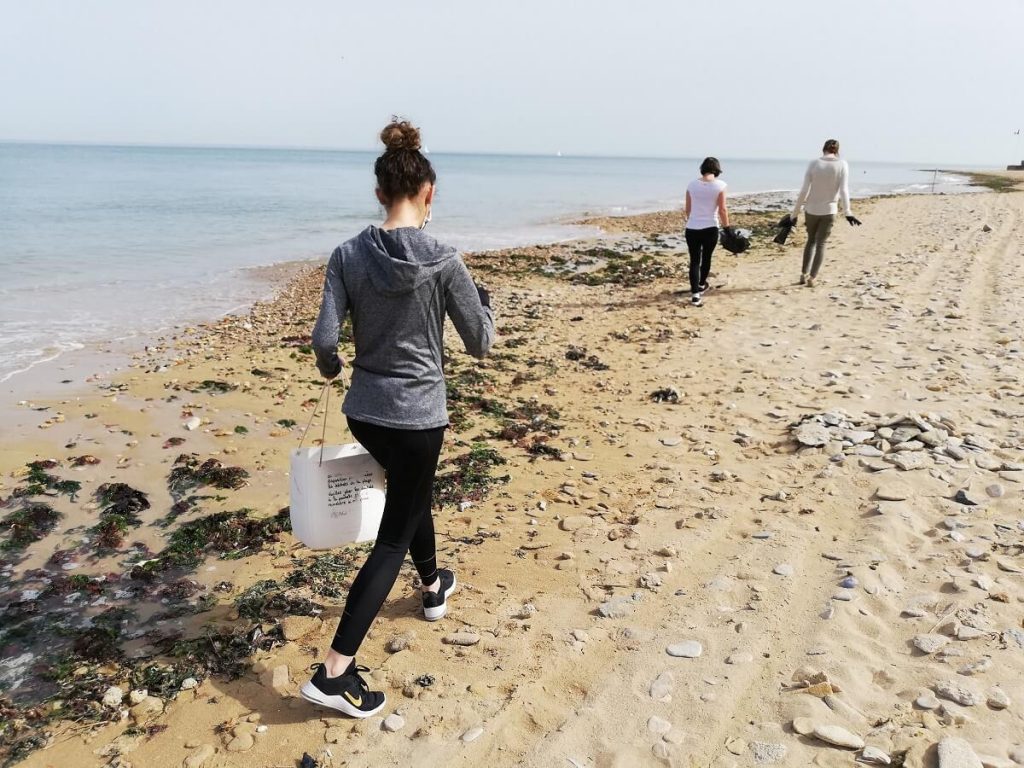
628	467
106	357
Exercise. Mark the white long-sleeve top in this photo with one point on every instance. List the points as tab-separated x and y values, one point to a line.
827	180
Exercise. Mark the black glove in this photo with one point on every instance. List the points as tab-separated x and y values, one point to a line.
331	368
485	297
854	221
786	221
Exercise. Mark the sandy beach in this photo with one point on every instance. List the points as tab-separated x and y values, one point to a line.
784	528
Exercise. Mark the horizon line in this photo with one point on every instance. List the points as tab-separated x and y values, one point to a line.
300	148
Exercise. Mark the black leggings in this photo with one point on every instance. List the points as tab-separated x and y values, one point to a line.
701	244
409	458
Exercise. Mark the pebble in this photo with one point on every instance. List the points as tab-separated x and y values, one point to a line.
954	691
658	725
472	734
661	687
394	722
146	709
740	657
194	423
892	492
616	608
688	649
113	697
928	701
461	638
849	582
930	643
189	683
803	725
838	736
844	595
762	535
997	698
783	569
243	742
138	695
995	490
875	756
812	434
767	753
574	522
671	442
956	753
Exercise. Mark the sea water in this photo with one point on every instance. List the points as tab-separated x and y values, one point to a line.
109	243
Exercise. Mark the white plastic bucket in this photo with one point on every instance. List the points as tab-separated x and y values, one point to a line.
339	501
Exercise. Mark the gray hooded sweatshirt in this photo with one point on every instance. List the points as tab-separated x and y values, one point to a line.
398	285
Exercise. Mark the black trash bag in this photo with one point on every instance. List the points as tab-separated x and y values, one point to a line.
785	227
735	240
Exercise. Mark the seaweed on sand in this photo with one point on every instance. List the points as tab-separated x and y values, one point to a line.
28	524
470	476
326	575
189	473
268	599
40	482
230	535
224	651
120	505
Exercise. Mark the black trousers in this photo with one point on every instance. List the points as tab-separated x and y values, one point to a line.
409	458
701	244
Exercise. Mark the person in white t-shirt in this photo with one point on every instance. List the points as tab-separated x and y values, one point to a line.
827	179
705	212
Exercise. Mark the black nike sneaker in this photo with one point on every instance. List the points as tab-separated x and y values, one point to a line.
347	693
435	604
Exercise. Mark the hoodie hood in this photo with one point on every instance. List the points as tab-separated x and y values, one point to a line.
403	259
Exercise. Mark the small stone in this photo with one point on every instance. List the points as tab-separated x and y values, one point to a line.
189	683
997	698
658	725
580	636
875	756
138	695
812	434
661	687
193	423
838	736
968	497
740	657
243	742
956	753
927	701
803	725
930	643
995	490
461	638
892	492
199	756
954	691
688	649
668	551
767	753
849	582
398	643
113	697
472	734
277	678
394	722
616	608
783	569
526	612
574	522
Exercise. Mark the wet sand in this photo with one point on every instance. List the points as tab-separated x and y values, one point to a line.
724	529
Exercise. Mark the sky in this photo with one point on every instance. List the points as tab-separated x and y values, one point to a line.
900	80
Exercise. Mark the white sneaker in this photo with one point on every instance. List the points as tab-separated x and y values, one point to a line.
435	604
697	299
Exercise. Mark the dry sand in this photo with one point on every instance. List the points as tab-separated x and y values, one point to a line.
700	524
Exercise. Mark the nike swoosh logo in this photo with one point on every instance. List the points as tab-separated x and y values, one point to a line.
356	702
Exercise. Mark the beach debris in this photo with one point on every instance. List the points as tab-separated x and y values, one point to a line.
468	477
579	354
86	460
193	423
189	473
665	395
29	523
120	505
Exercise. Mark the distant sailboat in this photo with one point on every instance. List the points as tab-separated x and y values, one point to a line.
426	151
558	154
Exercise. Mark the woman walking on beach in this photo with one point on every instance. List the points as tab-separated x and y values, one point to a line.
705	212
827	179
398	283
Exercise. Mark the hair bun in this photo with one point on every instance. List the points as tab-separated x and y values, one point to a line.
401	134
